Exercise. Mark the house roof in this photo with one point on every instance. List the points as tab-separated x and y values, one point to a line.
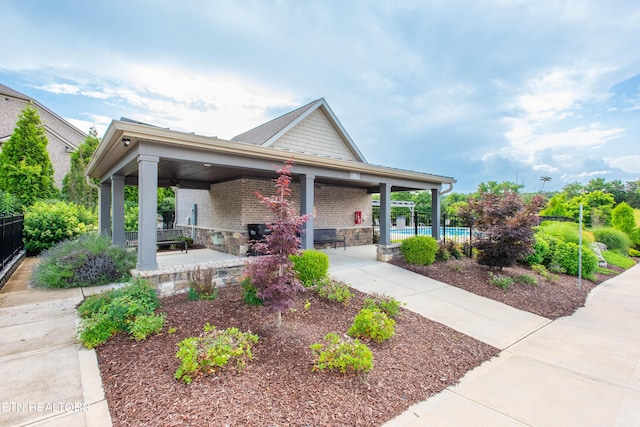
268	133
7	91
198	161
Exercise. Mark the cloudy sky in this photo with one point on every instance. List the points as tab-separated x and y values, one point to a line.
478	90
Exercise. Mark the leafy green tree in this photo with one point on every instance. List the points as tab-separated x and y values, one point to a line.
595	184
494	187
632	191
25	167
573	189
623	219
74	185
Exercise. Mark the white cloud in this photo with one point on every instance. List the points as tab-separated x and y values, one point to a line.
629	164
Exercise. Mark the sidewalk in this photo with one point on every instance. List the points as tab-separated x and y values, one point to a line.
48	379
581	370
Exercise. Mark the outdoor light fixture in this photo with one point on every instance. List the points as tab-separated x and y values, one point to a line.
126	142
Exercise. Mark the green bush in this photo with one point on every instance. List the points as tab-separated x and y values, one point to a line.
88	260
419	250
615	239
553	243
334	290
567	256
566	231
372	325
526	279
382	302
146	325
213	350
634	253
623	219
540	251
500	281
250	293
618	260
202	285
48	223
311	266
337	355
542	271
104	315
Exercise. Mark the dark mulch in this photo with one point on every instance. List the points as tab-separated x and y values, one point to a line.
550	299
278	387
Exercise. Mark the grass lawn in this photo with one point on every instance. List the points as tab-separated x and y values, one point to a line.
616	259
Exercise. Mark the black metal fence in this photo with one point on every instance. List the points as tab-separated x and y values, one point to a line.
405	223
11	228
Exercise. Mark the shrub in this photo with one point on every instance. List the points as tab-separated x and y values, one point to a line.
385	303
500	281
48	223
542	271
540	251
623	219
202	285
634	253
146	325
419	250
311	265
250	293
553	243
506	226
89	260
615	240
372	325
526	279
103	315
334	290
337	355
618	260
212	350
567	256
565	231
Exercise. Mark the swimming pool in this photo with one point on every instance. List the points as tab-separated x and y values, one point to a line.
458	232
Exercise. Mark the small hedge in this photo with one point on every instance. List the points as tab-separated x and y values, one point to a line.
419	250
311	266
129	309
89	260
567	257
372	325
213	350
335	354
615	239
48	223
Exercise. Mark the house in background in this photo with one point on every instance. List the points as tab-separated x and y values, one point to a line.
63	137
216	180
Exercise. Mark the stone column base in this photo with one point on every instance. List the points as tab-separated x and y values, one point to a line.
385	253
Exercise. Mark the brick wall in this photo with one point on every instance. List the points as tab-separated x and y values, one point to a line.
225	211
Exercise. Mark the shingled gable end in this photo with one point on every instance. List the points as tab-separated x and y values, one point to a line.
216	180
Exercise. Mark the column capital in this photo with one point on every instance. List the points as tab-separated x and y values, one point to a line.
148	158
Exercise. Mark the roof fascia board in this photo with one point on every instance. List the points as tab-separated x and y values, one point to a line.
117	130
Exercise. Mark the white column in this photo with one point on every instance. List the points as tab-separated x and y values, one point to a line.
117	214
306	206
385	214
104	209
147	211
435	214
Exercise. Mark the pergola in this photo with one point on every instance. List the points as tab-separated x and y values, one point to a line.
133	153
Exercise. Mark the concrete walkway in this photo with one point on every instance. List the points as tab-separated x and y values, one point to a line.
48	379
581	370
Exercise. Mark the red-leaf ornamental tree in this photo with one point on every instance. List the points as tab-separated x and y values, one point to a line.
273	275
506	224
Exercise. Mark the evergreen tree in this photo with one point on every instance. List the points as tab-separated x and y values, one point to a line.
25	167
74	186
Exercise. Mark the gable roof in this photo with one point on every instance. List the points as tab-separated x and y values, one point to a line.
6	90
266	134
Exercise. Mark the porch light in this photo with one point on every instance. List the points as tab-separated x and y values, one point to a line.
126	142
206	165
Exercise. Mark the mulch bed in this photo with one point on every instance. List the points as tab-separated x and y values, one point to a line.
550	299
278	387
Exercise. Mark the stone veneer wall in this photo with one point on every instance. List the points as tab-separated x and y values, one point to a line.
225	211
169	281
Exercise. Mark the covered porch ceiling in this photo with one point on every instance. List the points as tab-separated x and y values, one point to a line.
194	161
